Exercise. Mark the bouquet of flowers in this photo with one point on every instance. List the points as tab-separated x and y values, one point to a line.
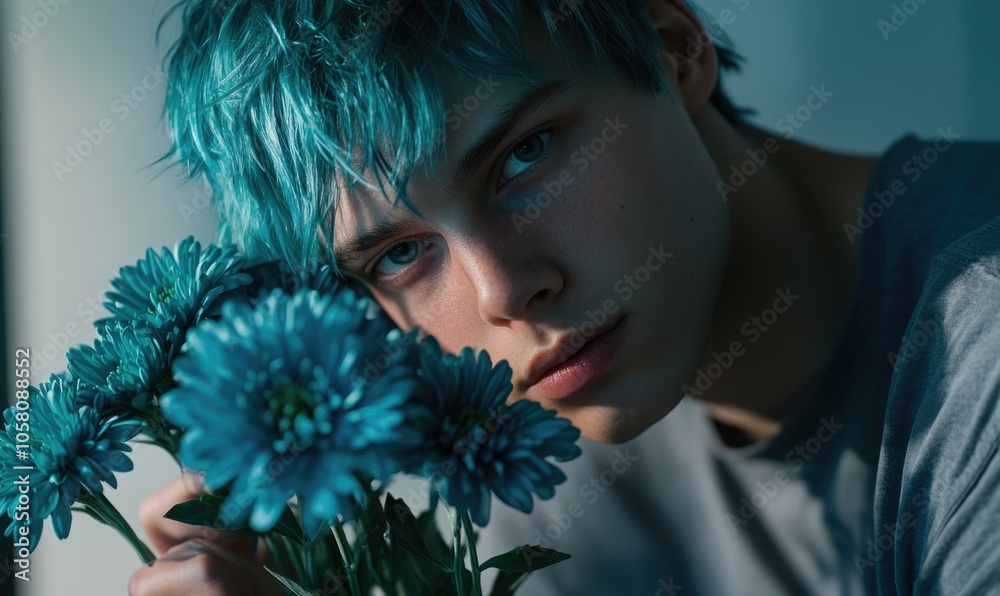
299	400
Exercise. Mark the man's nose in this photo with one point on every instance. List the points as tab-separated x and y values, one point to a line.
510	282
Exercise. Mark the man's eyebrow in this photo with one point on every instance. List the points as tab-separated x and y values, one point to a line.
354	249
530	99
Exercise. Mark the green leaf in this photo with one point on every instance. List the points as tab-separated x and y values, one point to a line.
334	565
525	558
507	583
438	548
405	531
289	584
373	515
436	582
289	527
203	511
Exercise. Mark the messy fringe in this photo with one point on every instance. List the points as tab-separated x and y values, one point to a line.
279	103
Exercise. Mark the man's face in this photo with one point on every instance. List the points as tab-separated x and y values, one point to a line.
597	208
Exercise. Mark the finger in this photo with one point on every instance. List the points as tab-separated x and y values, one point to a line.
199	567
165	533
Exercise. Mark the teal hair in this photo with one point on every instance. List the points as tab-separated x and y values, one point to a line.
280	103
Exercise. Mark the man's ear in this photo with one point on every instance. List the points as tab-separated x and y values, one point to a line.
687	54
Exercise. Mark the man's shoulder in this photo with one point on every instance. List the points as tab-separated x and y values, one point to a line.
946	374
931	190
942	424
955	327
927	200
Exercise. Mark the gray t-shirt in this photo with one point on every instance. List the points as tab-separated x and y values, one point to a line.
885	480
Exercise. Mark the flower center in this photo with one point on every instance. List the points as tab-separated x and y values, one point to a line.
288	404
471	417
467	431
114	375
165	294
161	297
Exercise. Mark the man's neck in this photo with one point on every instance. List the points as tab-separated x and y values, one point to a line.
790	283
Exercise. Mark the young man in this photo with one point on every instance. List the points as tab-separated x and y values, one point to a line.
799	347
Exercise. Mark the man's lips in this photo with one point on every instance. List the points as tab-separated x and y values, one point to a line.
569	365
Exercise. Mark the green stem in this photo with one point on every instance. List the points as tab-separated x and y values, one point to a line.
371	503
347	556
307	565
282	561
295	556
459	565
477	589
276	559
329	548
379	578
360	544
155	427
104	511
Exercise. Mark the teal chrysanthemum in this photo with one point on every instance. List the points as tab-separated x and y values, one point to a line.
277	399
125	365
70	448
475	444
319	277
173	291
271	275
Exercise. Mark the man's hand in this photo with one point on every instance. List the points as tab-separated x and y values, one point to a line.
196	560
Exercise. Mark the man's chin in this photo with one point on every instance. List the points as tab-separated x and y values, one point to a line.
616	424
615	433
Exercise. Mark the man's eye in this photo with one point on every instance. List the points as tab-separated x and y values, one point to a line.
524	156
397	258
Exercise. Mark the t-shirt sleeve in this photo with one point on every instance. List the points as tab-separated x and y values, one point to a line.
963	556
937	515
